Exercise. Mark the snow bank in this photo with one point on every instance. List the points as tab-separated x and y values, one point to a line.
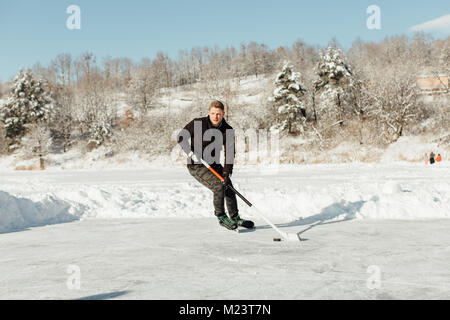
390	200
19	213
383	200
296	195
422	201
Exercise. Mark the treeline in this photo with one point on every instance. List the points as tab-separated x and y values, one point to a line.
203	64
370	94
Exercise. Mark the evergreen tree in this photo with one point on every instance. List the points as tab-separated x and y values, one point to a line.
335	81
99	132
287	98
27	103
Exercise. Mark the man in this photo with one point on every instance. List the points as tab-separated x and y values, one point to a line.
208	135
431	157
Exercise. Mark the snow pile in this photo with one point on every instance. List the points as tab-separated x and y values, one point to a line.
296	195
102	202
428	202
18	213
385	200
112	202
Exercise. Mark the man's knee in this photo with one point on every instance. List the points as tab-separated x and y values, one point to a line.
229	193
217	188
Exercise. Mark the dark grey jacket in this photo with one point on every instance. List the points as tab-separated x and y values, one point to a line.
197	131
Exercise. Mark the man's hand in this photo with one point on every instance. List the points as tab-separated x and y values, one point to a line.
193	157
226	179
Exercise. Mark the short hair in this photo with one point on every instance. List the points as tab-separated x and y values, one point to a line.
216	104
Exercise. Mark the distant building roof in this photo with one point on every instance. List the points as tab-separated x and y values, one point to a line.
433	82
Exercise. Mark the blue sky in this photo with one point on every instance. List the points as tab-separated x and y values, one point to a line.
35	31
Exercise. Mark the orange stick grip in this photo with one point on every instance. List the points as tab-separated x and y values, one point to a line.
217	175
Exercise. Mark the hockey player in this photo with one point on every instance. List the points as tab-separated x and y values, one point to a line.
207	137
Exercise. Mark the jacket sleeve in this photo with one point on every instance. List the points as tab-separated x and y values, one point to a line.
184	135
230	151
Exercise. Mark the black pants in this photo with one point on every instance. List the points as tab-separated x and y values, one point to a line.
203	175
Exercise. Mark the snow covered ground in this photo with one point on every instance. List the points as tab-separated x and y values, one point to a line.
370	231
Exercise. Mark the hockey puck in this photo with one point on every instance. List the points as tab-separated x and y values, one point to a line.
276	239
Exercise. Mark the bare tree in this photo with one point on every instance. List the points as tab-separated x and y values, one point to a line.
95	104
162	66
142	89
125	66
419	50
85	65
62	65
62	124
112	73
395	102
3	141
37	142
442	66
48	74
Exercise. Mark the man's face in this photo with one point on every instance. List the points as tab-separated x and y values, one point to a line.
216	115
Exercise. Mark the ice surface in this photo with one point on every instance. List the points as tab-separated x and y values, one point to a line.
187	258
369	232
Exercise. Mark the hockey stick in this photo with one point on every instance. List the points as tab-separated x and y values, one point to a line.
286	236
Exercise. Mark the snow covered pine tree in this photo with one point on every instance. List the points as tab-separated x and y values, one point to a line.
287	97
334	83
99	132
27	103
